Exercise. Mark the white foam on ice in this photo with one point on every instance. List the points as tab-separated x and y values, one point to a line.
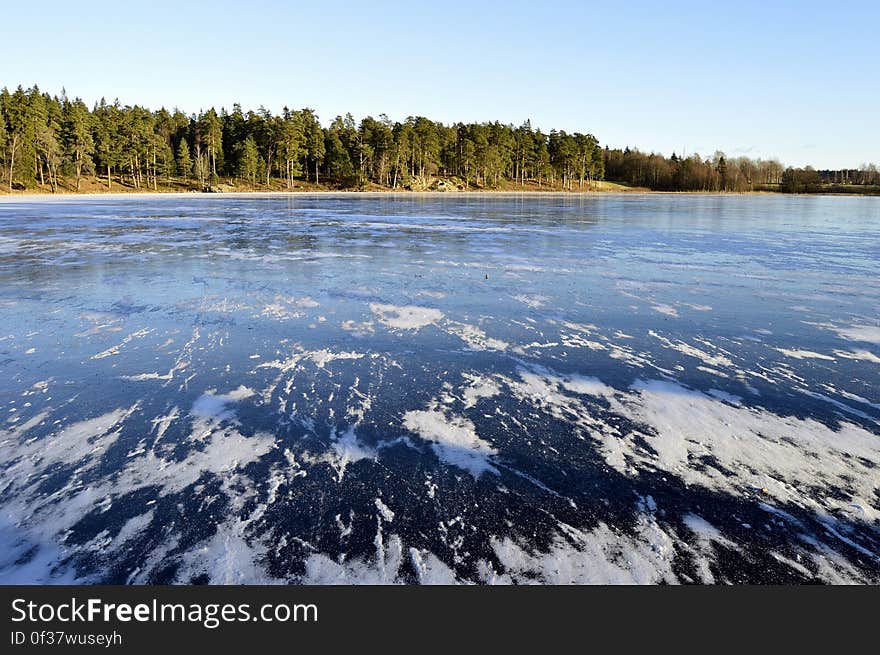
474	337
383	569
454	440
742	449
323	357
429	569
227	557
319	357
861	354
602	555
362	329
133	527
101	322
757	448
666	310
211	405
692	351
436	295
733	399
225	450
478	387
803	354
347	449
866	333
280	312
534	301
39	521
587	385
406	317
384	511
82	442
114	350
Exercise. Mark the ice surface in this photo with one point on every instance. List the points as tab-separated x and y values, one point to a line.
561	389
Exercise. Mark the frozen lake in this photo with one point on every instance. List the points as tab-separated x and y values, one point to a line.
469	388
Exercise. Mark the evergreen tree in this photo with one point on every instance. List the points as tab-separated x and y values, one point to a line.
3	136
292	145
106	138
211	136
15	110
184	160
337	159
249	160
77	136
721	167
315	142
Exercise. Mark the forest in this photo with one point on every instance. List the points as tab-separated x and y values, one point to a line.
52	142
739	174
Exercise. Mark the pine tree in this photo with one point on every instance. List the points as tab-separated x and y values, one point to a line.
337	159
15	109
106	137
211	136
36	133
77	136
292	145
315	147
249	160
722	171
4	135
184	160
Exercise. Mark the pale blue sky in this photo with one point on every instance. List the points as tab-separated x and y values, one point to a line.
797	80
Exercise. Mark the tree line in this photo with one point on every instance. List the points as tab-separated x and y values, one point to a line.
45	138
720	173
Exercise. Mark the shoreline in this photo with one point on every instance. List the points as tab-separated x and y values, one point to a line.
26	196
67	195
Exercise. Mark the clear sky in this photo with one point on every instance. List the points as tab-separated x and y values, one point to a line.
799	80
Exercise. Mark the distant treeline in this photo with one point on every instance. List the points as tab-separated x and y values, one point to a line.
45	139
719	173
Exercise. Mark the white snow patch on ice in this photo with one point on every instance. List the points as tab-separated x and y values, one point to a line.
867	333
692	351
667	310
406	317
214	406
454	440
384	511
803	354
227	558
534	301
345	449
587	385
383	569
763	450
477	388
362	329
600	556
864	355
474	337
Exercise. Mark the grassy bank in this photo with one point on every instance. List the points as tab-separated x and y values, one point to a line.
97	185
